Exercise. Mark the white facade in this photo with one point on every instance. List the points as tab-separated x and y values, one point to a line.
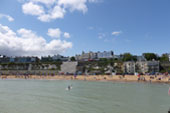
92	55
129	67
142	67
105	54
169	56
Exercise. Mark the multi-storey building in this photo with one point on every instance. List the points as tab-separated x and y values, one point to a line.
23	59
129	67
105	54
153	66
94	56
169	57
142	67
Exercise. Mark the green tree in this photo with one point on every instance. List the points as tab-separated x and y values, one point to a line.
164	58
72	59
150	56
128	57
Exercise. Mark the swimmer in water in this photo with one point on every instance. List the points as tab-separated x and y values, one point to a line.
69	87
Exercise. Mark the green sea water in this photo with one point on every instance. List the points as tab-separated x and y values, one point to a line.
51	96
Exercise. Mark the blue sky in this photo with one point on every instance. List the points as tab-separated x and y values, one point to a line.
135	26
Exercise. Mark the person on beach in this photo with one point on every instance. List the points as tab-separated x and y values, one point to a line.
138	77
75	75
123	75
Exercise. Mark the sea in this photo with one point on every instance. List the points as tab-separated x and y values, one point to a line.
52	96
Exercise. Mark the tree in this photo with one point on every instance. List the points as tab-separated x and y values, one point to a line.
150	56
128	57
72	59
164	58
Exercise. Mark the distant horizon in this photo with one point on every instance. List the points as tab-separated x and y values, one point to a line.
86	52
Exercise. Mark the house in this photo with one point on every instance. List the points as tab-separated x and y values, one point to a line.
153	66
129	67
142	67
169	57
105	54
147	67
86	56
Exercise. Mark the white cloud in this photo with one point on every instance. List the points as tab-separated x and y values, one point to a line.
73	5
45	18
93	1
47	10
57	12
7	16
116	33
47	2
32	9
66	35
25	42
55	33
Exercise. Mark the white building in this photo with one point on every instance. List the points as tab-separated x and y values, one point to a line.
153	66
86	56
169	56
147	66
93	56
142	67
105	54
129	67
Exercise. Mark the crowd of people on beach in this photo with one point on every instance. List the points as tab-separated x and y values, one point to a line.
138	78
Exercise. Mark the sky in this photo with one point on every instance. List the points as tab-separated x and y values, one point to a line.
68	27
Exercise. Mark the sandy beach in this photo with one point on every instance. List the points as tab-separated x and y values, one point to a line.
126	78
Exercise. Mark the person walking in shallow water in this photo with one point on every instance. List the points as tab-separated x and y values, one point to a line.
69	87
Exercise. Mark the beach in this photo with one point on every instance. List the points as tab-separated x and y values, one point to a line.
119	78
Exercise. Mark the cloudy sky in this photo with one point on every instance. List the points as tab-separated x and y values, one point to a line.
68	27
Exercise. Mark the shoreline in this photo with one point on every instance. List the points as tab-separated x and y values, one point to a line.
114	78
